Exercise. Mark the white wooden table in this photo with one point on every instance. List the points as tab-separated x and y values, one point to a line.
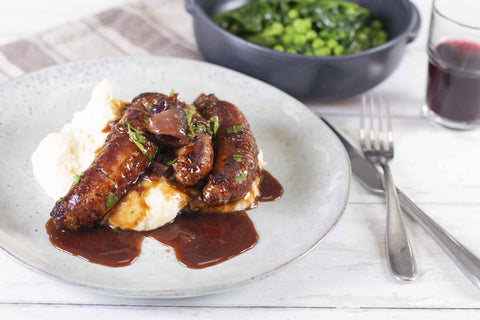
346	275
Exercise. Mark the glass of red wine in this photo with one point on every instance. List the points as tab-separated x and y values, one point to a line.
453	86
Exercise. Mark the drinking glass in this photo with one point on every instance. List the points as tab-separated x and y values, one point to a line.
453	85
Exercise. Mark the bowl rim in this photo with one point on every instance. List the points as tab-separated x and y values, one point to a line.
280	54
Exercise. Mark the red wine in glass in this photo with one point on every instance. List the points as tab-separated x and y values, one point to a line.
453	88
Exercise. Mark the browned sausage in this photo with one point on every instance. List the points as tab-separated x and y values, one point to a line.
236	152
194	160
149	100
127	152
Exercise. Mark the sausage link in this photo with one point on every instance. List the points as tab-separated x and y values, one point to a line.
236	152
194	160
113	172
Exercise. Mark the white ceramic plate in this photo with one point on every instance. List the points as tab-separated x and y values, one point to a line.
300	151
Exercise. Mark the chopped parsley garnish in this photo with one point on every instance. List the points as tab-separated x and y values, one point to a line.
111	200
235	128
76	178
214	124
169	163
242	176
139	138
189	114
237	157
199	128
172	92
59	200
148	107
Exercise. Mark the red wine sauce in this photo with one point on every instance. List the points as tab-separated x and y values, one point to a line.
270	188
199	239
99	244
204	239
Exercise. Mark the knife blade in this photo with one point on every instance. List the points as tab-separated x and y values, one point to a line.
370	177
366	171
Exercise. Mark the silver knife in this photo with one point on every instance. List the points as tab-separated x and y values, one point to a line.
370	177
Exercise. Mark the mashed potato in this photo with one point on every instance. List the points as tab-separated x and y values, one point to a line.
62	155
149	205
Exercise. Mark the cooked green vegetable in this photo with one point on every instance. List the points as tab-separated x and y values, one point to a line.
311	27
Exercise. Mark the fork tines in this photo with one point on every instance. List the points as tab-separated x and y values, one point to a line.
379	137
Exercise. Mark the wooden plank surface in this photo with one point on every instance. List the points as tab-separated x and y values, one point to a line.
46	312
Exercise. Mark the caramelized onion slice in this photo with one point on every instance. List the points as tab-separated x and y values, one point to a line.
170	127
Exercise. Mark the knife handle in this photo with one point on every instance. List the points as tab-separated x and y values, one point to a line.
463	258
399	252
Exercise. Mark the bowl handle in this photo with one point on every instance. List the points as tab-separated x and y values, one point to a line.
414	27
190	6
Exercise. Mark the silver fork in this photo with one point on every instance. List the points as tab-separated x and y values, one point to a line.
377	147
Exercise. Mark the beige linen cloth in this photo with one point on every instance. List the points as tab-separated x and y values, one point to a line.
144	27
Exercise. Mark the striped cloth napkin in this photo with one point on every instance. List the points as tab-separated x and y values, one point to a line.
144	27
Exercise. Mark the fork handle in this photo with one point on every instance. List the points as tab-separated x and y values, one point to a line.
463	258
399	253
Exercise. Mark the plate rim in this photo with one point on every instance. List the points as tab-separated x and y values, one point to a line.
204	290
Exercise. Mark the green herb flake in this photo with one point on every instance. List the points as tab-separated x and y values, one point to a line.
149	106
172	92
237	157
76	178
169	163
214	124
111	200
242	176
139	138
189	114
234	129
59	200
199	128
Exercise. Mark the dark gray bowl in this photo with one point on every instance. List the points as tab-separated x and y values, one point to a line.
307	77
